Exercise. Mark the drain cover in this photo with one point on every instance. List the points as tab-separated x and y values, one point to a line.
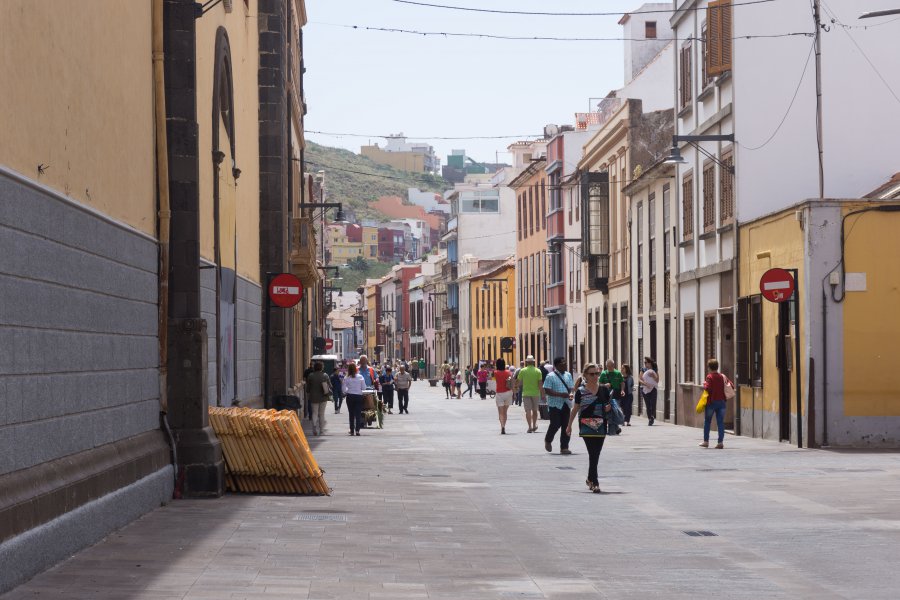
566	468
321	517
701	534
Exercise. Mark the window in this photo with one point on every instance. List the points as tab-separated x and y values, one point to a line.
709	196
500	302
667	247
590	340
650	30
623	326
705	79
689	348
709	336
651	254
719	30
640	257
687	199
726	188
530	211
685	78
482	201
520	215
749	341
543	216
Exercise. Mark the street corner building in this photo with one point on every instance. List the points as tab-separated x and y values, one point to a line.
150	177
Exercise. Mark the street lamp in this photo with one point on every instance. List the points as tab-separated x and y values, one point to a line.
485	287
675	158
880	13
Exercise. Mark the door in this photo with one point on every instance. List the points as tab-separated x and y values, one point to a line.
726	349
669	373
784	356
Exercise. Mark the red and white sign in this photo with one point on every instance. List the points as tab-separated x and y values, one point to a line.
329	343
777	285
285	290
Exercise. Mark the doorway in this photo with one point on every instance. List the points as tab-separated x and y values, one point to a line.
669	373
726	350
784	356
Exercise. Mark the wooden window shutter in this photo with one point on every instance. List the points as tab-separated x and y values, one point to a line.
719	33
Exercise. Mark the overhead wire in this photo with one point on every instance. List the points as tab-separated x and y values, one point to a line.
425	137
567	14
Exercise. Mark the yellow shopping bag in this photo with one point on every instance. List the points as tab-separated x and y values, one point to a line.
701	405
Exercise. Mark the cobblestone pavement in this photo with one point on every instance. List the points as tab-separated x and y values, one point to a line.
439	505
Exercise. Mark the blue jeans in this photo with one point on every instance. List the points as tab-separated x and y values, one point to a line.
717	408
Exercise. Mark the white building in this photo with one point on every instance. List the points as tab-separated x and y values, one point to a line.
398	143
428	200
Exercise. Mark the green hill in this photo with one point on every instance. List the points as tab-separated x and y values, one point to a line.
356	180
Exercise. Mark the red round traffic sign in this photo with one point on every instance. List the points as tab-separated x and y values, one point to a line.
777	285
329	343
285	290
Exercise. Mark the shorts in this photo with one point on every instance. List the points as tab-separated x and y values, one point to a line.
531	402
503	398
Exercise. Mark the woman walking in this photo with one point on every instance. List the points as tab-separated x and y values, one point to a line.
354	385
387	388
628	398
715	386
504	393
649	383
591	407
458	378
447	378
470	381
482	378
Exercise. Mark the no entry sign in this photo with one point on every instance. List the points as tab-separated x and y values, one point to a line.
285	290
777	285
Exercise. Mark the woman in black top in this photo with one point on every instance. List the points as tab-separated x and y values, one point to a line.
387	388
591	407
628	399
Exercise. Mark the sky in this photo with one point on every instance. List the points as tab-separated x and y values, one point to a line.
378	83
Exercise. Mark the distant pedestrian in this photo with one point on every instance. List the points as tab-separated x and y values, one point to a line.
447	380
402	383
649	385
354	387
627	400
592	403
559	388
482	377
531	391
458	382
318	391
421	365
414	370
502	377
387	388
470	380
337	390
715	386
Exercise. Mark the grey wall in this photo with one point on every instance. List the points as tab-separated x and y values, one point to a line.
78	328
249	335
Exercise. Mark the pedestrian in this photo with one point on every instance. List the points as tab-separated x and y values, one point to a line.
414	372
530	390
307	405
387	388
447	378
458	380
482	378
402	383
517	393
318	390
337	390
354	387
627	400
649	385
592	403
559	388
470	382
503	379
715	386
613	379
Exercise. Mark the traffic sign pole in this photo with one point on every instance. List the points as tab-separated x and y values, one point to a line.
266	403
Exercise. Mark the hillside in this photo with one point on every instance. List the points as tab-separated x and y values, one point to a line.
356	180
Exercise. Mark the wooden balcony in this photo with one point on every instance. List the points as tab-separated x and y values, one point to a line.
303	251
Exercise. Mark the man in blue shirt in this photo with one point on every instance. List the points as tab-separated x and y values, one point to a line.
559	388
367	372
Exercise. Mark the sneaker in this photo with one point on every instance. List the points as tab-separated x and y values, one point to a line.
548	446
719	446
565	451
704	445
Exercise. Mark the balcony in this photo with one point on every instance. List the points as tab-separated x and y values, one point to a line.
303	251
556	295
556	225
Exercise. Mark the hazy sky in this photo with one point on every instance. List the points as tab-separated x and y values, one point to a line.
378	83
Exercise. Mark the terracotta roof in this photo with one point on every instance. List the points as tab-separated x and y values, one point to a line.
394	208
888	191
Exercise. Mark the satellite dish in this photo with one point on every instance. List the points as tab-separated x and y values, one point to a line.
550	130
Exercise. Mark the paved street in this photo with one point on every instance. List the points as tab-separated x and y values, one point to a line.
438	505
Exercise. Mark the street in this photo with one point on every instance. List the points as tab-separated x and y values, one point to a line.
439	505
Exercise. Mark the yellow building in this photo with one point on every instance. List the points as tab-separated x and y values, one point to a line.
493	312
405	161
370	242
844	253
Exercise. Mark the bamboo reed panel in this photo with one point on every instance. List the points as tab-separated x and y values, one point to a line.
266	451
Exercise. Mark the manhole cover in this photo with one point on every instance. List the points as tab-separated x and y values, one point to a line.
701	534
566	468
320	517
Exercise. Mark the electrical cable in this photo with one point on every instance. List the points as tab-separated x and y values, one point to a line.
551	38
788	111
568	14
426	137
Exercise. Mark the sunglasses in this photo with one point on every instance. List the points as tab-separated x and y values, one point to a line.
592	373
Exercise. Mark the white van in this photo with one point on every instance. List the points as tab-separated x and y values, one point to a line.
330	361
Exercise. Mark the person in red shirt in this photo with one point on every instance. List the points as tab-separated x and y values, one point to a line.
715	405
504	392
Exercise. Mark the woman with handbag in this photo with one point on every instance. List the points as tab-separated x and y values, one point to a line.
354	387
592	405
717	387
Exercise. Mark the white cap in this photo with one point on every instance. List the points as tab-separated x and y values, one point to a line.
529	358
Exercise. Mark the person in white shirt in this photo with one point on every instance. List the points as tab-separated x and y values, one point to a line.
403	381
354	386
649	383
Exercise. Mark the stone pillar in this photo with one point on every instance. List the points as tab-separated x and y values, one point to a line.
201	468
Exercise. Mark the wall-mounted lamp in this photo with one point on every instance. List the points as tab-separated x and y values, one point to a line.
675	158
